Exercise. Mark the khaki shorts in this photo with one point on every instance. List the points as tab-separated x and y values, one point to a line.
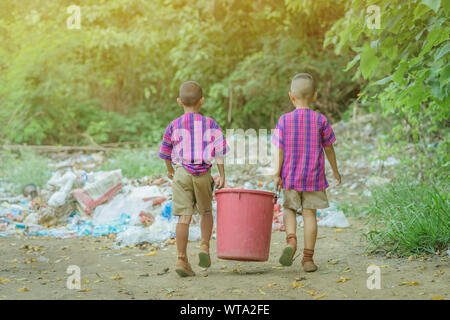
295	200
191	193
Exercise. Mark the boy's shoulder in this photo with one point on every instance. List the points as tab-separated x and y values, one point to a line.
196	117
290	114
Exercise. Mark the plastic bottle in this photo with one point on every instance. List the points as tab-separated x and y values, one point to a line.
167	210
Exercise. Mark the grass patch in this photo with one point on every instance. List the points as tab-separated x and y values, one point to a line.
408	218
23	168
135	163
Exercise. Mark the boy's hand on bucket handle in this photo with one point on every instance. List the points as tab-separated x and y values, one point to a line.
221	183
278	183
221	168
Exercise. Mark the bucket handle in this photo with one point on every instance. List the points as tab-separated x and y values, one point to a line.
276	197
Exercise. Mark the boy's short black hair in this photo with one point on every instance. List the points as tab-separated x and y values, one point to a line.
190	93
303	86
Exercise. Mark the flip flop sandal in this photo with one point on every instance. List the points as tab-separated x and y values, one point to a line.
309	266
183	269
287	255
204	258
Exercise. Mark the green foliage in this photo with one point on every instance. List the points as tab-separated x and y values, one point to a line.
135	163
405	63
23	168
408	217
116	78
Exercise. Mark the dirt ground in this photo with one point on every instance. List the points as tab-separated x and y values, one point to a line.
33	268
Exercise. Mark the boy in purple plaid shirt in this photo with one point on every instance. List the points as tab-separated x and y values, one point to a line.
301	137
191	142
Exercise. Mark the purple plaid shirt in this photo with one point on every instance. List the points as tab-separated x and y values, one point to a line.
193	141
302	134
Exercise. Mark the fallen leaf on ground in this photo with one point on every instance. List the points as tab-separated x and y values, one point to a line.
24	289
311	292
270	285
339	230
296	284
342	279
151	253
260	291
84	290
410	258
410	283
437	298
117	277
320	297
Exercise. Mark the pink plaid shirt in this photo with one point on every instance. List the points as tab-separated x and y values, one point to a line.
193	141
302	134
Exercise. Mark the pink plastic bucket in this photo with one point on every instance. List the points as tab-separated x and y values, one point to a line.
244	224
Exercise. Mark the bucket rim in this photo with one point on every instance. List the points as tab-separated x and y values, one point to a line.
230	190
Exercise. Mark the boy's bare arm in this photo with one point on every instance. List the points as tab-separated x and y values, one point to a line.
170	169
221	168
331	156
279	158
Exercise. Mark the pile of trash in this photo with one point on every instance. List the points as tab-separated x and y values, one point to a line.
77	203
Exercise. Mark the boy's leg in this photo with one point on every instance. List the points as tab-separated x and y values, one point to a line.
290	223
203	190
311	200
310	235
182	235
182	266
206	225
292	201
183	206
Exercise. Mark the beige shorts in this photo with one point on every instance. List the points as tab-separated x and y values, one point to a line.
191	194
295	200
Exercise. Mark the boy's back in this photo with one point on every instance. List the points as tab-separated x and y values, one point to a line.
303	133
302	136
193	140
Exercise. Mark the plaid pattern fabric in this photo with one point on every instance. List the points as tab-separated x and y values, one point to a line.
193	141
302	134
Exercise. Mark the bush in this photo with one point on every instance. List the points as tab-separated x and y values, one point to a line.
409	218
23	168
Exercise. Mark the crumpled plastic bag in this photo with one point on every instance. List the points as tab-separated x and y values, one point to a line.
334	219
65	183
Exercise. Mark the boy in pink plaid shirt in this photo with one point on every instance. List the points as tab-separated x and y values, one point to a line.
301	137
190	143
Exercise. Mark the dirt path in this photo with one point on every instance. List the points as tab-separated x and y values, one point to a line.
339	254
